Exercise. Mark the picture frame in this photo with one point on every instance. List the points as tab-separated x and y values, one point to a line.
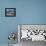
10	12
37	29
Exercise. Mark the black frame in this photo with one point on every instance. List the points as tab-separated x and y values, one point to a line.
10	15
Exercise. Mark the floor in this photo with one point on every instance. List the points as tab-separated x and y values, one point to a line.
7	45
30	43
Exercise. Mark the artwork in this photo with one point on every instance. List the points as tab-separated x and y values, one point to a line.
33	32
10	12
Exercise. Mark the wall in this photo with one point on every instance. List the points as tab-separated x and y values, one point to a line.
27	12
31	11
7	24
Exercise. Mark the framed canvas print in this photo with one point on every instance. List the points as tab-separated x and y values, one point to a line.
10	12
33	32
